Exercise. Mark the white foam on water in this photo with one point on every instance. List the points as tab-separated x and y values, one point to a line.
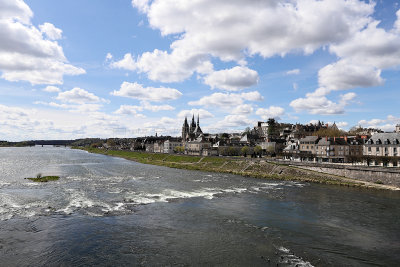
170	194
293	260
283	249
79	201
10	207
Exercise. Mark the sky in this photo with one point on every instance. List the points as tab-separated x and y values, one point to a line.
127	68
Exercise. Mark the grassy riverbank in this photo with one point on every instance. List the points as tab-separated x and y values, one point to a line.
259	168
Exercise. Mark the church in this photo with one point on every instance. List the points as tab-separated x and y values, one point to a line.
192	131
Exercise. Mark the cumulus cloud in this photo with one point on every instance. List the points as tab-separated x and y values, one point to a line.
234	79
362	58
51	31
25	55
127	63
204	114
165	125
344	75
387	124
137	91
226	99
243	109
231	31
144	105
234	121
79	96
271	112
129	110
51	89
317	103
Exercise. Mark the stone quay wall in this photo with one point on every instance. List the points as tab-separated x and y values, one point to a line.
385	175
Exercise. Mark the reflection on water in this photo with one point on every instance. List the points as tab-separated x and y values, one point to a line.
107	210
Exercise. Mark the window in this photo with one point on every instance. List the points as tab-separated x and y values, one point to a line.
369	149
377	149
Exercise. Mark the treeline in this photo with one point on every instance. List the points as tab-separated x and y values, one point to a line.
16	144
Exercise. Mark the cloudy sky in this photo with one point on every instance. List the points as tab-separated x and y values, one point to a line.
71	69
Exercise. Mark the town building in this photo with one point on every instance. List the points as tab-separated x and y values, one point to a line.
383	145
171	144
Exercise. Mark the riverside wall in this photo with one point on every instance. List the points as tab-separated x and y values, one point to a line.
386	175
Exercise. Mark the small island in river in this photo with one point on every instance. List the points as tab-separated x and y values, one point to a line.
43	179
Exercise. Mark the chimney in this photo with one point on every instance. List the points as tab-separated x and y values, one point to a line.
334	138
326	138
345	138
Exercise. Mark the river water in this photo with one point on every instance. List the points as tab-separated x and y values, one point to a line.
114	212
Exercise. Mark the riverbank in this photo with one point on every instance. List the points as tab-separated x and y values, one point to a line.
259	168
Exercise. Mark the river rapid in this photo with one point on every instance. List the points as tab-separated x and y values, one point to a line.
113	212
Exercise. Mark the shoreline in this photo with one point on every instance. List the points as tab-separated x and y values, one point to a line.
239	166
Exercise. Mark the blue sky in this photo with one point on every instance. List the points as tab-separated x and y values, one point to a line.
72	69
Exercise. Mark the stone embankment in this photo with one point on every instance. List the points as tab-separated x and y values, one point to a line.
259	168
373	174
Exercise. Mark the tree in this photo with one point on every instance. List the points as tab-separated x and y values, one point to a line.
245	151
329	132
179	149
272	127
355	130
246	131
258	150
111	142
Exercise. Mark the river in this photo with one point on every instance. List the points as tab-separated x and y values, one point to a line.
113	212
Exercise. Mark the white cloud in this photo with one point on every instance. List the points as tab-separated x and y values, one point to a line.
79	96
234	121
396	27
142	5
234	79
144	105
127	62
165	126
362	57
293	72
51	89
226	99
137	91
232	30
317	103
147	106
388	124
243	109
109	56
204	114
24	54
252	96
344	75
129	110
51	31
271	112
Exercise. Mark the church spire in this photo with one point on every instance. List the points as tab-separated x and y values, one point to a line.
198	119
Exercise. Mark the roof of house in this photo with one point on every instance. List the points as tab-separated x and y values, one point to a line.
332	141
310	138
380	138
